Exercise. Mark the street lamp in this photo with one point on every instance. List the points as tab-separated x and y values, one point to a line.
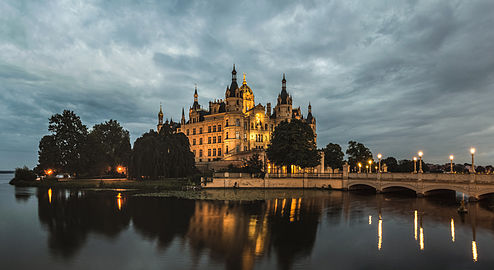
367	167
451	157
420	161
370	165
359	167
472	151
414	164
379	156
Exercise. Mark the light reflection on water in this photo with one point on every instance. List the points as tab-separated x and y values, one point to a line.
310	229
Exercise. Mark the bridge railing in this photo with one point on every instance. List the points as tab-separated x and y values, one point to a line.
306	175
432	177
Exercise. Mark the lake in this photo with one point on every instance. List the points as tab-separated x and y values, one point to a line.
252	229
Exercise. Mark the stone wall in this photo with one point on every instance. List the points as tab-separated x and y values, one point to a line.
273	183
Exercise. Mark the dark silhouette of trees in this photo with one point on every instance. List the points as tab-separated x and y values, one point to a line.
357	152
63	149
391	163
254	164
333	156
166	154
107	146
293	143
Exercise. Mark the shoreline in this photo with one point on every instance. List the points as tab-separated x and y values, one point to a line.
166	184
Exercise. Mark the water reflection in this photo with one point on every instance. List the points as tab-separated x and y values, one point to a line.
239	234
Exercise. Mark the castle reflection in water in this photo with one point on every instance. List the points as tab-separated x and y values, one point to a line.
237	233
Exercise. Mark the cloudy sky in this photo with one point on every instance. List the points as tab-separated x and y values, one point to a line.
398	76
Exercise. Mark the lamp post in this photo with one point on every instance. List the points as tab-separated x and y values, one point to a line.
420	161
359	167
414	164
367	167
379	156
472	151
451	157
370	165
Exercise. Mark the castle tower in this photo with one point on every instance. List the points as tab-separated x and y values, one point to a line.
311	120
182	121
196	107
233	96
247	96
283	108
160	119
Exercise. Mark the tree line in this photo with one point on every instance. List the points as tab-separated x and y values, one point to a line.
74	150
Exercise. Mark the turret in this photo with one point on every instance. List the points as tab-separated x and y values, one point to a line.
233	94
182	121
160	119
283	108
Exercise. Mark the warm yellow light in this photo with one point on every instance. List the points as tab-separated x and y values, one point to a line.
379	156
451	157
472	150
120	169
370	161
421	238
367	166
415	224
380	234
49	195
49	172
370	220
452	230
420	153
360	165
414	158
119	195
474	251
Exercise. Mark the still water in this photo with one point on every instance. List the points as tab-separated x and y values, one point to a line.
84	229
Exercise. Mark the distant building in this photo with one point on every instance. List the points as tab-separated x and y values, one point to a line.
233	129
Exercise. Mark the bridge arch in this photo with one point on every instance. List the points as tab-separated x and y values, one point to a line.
398	185
446	187
354	185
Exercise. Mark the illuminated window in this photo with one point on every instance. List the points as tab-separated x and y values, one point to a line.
200	130
237	135
200	153
209	129
219	151
214	139
209	152
214	152
219	139
219	128
200	140
209	140
214	128
193	131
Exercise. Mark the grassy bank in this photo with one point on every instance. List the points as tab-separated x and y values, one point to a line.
166	184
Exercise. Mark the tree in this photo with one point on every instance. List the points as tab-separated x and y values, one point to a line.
333	156
254	164
293	143
48	155
108	145
391	163
63	148
164	154
357	152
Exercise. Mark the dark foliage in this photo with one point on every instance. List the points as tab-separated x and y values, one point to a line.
161	155
24	174
333	156
357	152
293	143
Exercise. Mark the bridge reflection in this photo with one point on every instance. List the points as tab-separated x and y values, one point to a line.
240	233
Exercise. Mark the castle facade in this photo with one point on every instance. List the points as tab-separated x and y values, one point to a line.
234	128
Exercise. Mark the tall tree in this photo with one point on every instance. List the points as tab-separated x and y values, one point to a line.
357	152
391	163
254	164
161	155
67	140
293	143
48	155
333	156
113	143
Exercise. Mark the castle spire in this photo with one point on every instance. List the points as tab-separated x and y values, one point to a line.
310	108
283	83
160	115
244	82
234	74
195	93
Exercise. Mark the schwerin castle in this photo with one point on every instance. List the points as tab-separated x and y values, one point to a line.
232	130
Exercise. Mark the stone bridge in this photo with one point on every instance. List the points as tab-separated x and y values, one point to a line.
475	186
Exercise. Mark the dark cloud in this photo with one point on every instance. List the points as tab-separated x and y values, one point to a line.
397	76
